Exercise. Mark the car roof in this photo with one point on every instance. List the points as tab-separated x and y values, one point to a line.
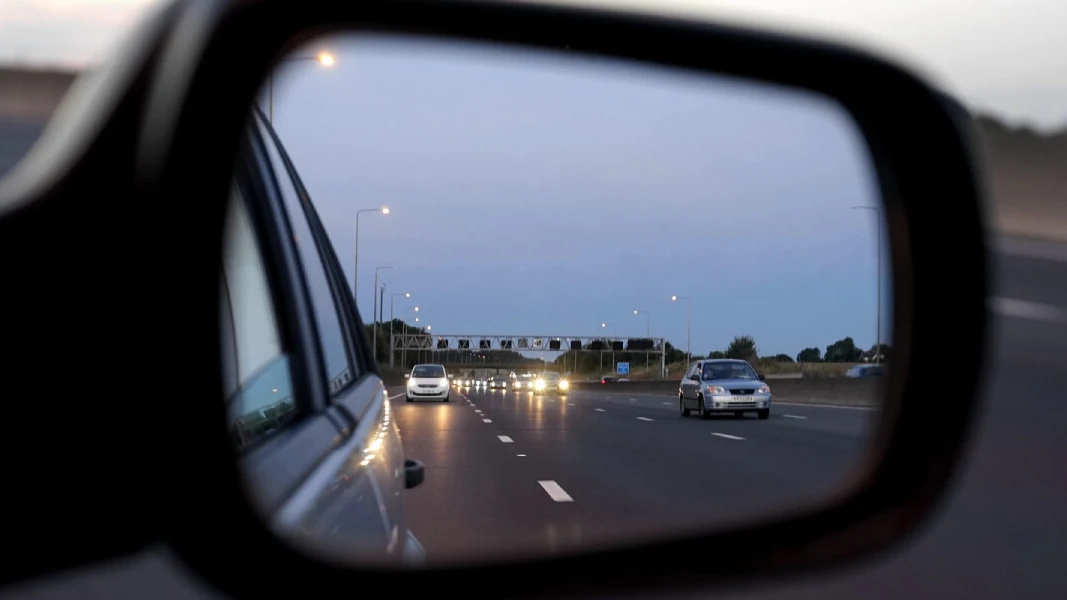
427	365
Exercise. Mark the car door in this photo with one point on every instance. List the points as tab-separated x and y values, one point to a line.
339	478
692	384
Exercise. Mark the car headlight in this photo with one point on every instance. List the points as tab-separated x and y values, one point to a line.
716	389
764	389
564	385
540	385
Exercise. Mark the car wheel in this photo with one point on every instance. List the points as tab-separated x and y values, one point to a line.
764	414
407	398
681	406
703	411
448	397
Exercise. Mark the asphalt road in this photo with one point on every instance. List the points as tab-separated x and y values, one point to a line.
1001	534
513	472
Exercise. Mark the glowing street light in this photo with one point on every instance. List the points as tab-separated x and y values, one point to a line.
384	210
325	59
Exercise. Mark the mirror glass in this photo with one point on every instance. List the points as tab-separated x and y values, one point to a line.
571	273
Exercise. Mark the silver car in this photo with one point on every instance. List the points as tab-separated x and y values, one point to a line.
718	386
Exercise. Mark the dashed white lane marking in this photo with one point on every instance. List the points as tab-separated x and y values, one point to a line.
728	436
478	410
506	439
555	492
599	409
572	404
667	403
521	455
643	419
633	399
794	417
1024	309
487	420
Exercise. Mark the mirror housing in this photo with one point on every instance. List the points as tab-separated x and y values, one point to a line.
929	179
762	377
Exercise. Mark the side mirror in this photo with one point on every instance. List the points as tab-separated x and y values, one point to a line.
762	377
414	473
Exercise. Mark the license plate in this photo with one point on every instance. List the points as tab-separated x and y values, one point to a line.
741	398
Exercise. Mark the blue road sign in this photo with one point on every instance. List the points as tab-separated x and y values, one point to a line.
623	368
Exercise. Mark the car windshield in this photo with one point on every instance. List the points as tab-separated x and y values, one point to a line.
428	371
728	370
551	376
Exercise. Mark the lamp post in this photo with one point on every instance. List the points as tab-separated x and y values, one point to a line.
355	270
392	304
648	333
688	327
323	58
878	310
376	319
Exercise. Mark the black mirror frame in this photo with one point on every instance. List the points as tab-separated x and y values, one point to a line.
215	61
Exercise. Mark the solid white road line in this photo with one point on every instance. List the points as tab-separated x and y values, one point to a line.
506	439
643	419
1024	309
794	417
728	436
1030	248
487	420
555	492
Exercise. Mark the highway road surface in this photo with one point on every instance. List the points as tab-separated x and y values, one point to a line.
1001	534
517	472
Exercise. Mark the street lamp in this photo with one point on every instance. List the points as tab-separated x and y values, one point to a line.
392	305
648	333
878	227
648	321
323	58
355	270
688	327
376	317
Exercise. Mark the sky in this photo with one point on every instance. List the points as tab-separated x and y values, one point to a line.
518	190
535	194
1002	56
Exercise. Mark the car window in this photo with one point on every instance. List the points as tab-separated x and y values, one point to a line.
428	371
340	366
256	374
728	370
551	376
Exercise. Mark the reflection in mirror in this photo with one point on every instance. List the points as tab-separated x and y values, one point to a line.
661	301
